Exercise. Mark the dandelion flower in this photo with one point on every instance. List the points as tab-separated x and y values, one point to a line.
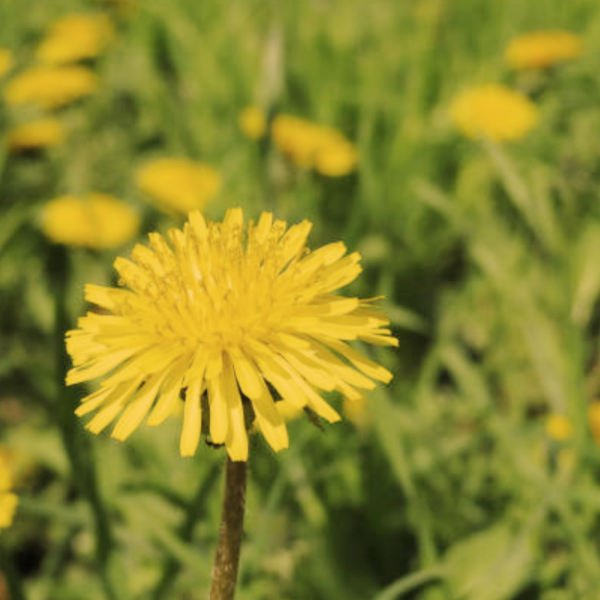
542	49
494	111
313	146
96	221
559	427
75	37
296	138
6	61
41	133
253	122
8	500
336	159
179	184
50	87
230	317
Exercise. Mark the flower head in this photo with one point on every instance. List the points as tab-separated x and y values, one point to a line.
494	111
6	61
559	427
179	184
75	37
50	87
230	318
336	159
542	49
8	500
41	133
253	122
96	221
313	146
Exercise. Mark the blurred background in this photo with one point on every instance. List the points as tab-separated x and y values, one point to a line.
455	144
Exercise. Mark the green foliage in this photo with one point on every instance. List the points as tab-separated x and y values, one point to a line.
487	255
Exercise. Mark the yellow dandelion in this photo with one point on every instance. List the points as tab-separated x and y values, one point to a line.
494	111
594	420
75	37
96	221
50	87
6	61
41	133
336	159
542	49
8	500
224	317
296	138
559	427
253	122
314	146
179	184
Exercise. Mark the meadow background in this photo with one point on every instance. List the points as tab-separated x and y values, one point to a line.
448	484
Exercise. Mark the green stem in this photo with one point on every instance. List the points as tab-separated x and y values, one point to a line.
224	576
13	580
196	509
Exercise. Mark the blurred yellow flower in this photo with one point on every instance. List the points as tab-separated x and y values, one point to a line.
296	138
253	122
233	313
542	49
336	159
314	146
96	221
179	184
559	427
494	111
8	500
50	87
594	420
6	61
41	133
75	37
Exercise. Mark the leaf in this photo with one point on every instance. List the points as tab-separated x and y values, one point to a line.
491	565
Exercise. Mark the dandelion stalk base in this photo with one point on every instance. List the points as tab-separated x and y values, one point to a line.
224	576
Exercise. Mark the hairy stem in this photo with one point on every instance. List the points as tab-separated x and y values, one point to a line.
224	576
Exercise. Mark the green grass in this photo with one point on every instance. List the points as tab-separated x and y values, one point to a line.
488	257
